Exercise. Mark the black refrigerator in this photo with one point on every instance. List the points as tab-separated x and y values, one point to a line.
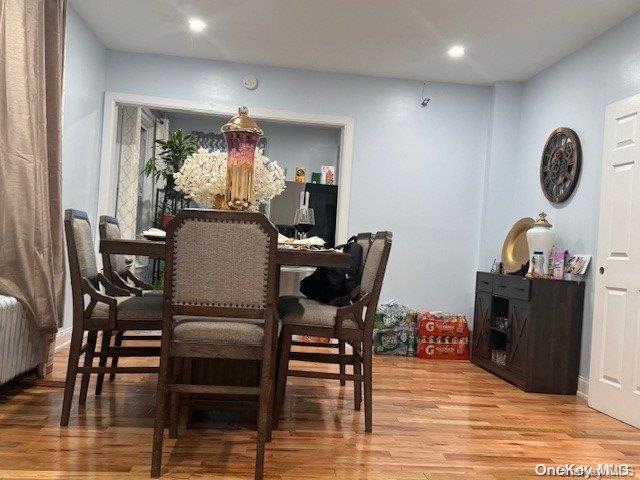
322	198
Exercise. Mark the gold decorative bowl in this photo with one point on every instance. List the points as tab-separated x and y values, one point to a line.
515	250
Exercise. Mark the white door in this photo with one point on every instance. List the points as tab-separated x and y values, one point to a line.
614	381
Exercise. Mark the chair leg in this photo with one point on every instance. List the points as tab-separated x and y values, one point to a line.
357	384
263	413
158	428
342	351
272	390
368	384
174	409
114	361
106	343
183	415
72	372
283	366
92	337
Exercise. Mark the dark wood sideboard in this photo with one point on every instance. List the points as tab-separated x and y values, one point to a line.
539	342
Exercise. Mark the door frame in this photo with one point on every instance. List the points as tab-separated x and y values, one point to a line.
107	191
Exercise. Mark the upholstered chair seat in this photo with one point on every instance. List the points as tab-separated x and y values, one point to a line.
218	331
303	311
147	307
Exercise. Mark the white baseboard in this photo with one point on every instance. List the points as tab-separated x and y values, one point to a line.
63	338
583	387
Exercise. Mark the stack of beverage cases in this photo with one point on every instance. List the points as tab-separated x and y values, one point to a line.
399	330
443	336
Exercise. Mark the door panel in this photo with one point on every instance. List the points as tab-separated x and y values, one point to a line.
614	373
613	335
481	325
619	232
636	375
517	336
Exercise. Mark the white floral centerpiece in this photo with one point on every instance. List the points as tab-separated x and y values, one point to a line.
203	177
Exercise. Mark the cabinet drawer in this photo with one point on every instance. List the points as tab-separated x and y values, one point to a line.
511	287
484	282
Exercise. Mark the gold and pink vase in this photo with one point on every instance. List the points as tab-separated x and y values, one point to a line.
242	135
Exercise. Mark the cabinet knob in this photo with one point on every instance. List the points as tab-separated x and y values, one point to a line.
601	269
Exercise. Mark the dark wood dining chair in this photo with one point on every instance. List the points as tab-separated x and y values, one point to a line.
220	302
115	268
104	313
364	240
352	324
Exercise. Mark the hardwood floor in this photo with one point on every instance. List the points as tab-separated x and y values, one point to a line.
432	420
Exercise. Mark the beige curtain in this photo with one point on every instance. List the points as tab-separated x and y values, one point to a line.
31	238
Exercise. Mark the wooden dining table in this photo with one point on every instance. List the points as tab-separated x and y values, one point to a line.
223	371
286	256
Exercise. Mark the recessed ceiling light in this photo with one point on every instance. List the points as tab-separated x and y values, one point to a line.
196	25
456	51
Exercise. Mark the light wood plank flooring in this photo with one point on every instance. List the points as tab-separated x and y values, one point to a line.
432	420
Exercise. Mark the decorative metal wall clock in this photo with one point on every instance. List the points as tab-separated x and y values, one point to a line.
560	165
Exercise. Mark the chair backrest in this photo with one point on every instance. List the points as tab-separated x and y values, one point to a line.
364	239
109	229
221	263
373	273
81	254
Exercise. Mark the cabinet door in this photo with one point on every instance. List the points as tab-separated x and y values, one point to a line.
517	336
482	325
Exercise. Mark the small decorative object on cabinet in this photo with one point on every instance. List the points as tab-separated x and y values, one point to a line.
301	174
242	135
328	174
528	331
515	249
560	165
540	240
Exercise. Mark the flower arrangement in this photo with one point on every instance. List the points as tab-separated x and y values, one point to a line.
203	177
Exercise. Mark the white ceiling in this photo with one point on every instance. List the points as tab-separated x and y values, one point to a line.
504	39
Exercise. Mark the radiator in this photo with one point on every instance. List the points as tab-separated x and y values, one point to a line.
21	345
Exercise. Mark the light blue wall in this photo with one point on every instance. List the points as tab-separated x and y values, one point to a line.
290	145
500	171
573	93
417	172
84	85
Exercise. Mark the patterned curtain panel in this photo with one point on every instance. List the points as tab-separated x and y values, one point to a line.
127	200
161	133
215	141
31	238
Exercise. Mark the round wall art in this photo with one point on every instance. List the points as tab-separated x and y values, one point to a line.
560	165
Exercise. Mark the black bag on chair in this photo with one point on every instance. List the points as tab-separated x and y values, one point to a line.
336	286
